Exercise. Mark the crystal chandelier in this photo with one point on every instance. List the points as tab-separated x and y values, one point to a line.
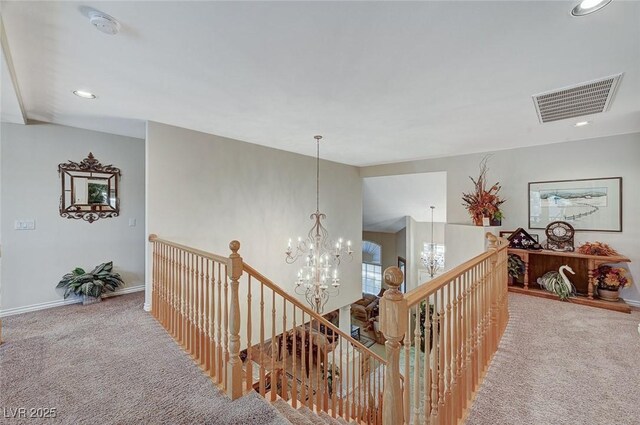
318	278
431	258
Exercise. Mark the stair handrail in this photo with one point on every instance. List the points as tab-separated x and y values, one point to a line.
219	258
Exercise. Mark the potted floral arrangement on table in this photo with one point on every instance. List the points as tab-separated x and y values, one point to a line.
515	268
610	280
483	202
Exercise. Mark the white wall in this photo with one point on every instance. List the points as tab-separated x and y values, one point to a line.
33	261
601	157
204	191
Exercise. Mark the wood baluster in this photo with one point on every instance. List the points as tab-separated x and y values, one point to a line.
417	341
342	370
393	323
304	392
234	367
406	397
262	368
226	325
203	315
274	378
359	380
441	361
294	356
210	279
349	387
427	362
283	350
334	379
448	350
204	303
190	304
309	353
220	344
177	292
249	360
436	357
459	348
325	372
318	384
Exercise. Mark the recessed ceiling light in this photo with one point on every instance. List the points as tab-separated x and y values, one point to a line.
589	6
84	94
581	124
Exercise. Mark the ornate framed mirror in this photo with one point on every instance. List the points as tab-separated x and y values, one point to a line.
89	190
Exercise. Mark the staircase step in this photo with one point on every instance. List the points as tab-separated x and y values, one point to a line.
315	419
328	419
291	414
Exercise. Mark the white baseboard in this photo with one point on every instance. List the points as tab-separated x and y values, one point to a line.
146	307
59	303
632	303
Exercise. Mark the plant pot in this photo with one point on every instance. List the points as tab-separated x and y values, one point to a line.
86	300
511	280
496	222
477	221
608	294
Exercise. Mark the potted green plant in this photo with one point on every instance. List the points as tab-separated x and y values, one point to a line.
515	268
610	280
91	285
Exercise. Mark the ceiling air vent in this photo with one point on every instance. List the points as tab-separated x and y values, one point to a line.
575	101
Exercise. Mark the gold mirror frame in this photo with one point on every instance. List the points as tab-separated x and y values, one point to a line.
89	190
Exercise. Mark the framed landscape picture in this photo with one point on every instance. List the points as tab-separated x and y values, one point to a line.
587	204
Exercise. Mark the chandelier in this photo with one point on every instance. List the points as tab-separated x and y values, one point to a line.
318	277
430	257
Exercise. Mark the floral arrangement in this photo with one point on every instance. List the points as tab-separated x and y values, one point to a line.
482	202
597	248
611	278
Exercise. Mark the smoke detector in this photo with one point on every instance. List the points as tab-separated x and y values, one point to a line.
104	23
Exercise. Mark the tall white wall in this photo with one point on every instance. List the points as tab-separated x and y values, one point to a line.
205	191
33	261
601	157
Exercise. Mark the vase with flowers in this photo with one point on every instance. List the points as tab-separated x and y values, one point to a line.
482	202
610	280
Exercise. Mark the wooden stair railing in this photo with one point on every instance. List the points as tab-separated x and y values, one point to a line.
247	334
449	328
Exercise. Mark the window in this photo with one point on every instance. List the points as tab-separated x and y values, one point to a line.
371	278
371	267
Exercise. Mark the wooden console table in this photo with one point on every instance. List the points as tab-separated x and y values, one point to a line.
537	263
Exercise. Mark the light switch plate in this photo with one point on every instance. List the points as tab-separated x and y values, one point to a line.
132	222
25	224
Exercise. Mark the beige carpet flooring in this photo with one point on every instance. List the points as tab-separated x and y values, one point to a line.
110	363
561	363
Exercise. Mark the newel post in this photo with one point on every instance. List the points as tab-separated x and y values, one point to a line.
393	324
234	367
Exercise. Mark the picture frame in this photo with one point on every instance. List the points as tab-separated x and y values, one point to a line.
591	205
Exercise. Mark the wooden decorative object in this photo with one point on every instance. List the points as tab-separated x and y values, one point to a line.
89	190
537	263
560	236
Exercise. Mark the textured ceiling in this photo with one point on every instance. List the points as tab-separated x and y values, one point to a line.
382	81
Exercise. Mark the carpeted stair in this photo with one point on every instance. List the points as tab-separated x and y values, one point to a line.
304	416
